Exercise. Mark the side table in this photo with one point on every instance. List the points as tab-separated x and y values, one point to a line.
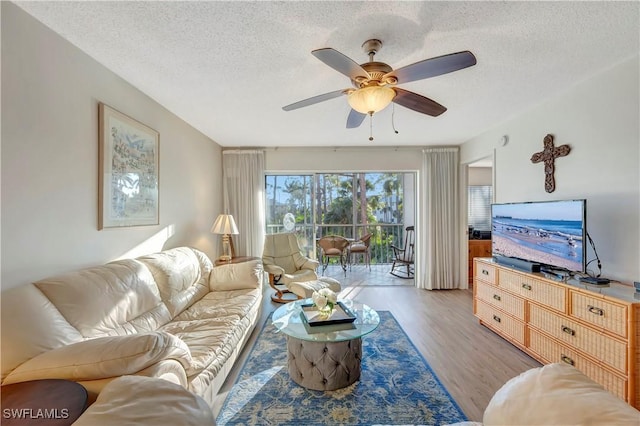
239	259
51	402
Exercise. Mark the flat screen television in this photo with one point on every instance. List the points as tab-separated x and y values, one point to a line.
549	233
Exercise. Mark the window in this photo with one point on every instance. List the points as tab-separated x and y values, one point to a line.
288	194
480	197
349	204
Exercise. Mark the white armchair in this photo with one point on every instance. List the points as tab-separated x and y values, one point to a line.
285	264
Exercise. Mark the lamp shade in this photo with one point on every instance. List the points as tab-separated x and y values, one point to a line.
370	99
224	224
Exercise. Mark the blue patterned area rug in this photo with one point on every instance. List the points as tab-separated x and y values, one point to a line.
396	387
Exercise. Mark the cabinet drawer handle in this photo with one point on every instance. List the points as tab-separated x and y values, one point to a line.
485	272
568	360
594	310
526	286
496	318
495	296
568	330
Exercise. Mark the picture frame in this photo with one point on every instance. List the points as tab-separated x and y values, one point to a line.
128	170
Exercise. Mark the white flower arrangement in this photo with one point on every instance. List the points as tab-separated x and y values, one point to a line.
324	299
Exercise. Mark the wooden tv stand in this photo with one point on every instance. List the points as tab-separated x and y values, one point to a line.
477	248
594	328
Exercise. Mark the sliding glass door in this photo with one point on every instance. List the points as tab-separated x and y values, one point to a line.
289	208
346	204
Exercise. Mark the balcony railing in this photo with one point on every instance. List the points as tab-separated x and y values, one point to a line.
384	235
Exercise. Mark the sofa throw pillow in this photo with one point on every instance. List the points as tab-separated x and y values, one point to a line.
236	276
103	357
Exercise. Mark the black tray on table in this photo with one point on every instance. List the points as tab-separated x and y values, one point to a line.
341	315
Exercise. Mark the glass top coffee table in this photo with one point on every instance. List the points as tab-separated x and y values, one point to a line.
324	357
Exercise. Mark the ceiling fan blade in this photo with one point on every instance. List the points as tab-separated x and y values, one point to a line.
340	62
314	100
417	102
433	67
355	119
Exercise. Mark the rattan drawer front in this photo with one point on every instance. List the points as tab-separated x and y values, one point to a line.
552	351
501	299
601	313
486	273
507	325
601	347
533	289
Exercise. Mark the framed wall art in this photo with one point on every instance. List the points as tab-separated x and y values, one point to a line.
128	171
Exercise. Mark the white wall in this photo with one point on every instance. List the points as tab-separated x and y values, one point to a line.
599	119
480	176
375	158
50	95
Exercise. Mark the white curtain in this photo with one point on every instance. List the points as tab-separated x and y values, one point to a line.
440	208
243	180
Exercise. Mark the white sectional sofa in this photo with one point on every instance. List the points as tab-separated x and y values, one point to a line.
170	315
555	395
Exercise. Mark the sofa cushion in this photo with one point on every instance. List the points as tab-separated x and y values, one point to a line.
135	400
216	304
117	298
208	339
182	275
557	394
31	325
103	357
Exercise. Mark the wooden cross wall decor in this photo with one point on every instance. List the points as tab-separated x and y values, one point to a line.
548	155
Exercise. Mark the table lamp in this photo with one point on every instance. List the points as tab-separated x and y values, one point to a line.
225	225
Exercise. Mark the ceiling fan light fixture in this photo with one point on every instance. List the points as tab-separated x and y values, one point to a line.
371	99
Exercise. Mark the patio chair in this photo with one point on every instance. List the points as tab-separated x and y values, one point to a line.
361	247
334	246
402	266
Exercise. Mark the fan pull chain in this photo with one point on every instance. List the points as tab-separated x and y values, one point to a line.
371	126
393	114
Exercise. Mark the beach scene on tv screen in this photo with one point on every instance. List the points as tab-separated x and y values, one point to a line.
548	233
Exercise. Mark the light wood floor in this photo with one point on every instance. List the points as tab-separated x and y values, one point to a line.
470	361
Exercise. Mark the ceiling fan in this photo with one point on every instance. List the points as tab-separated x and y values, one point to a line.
375	82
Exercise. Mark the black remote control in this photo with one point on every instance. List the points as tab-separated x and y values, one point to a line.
594	280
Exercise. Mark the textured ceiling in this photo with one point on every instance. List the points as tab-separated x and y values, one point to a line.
227	68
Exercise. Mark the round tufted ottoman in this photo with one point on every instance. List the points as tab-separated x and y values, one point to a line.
327	356
324	365
305	289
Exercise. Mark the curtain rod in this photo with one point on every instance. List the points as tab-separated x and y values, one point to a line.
445	148
243	151
442	149
345	148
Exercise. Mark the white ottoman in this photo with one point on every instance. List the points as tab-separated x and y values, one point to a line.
324	365
304	289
